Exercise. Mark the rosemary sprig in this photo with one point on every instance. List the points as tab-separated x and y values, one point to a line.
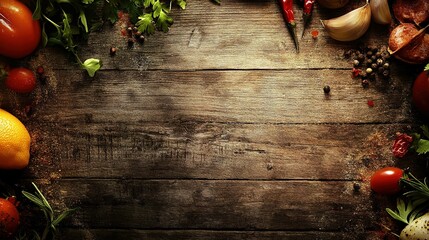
52	219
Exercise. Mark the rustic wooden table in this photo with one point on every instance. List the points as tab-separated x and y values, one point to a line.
217	129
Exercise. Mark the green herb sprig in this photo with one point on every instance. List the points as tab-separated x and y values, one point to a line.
52	219
66	23
415	202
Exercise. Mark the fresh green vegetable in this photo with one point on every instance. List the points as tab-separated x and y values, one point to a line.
421	143
414	210
52	219
66	23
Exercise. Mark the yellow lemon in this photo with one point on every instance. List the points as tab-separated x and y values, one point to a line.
14	142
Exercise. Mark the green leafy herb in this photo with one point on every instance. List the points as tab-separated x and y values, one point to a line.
216	1
52	219
420	144
406	211
66	23
417	199
426	67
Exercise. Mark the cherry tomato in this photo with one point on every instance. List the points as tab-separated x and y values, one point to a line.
19	33
9	217
21	80
386	180
421	93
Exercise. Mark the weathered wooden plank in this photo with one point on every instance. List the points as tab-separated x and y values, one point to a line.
119	234
217	151
219	205
236	35
294	96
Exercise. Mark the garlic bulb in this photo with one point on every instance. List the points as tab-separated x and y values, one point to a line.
349	26
380	11
332	4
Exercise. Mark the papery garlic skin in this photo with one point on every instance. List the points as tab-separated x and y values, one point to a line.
349	26
380	11
332	4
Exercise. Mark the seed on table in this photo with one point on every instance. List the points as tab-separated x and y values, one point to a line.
356	187
374	66
365	83
356	63
141	38
386	73
130	42
327	89
380	62
386	65
368	70
113	51
40	70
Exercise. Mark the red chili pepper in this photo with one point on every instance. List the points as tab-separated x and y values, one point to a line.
401	145
287	9
306	14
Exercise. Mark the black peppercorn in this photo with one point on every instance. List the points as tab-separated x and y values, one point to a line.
327	89
113	51
360	57
368	62
356	63
365	83
380	70
130	42
373	58
356	187
374	66
386	73
141	38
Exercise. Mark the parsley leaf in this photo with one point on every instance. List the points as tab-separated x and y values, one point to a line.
426	67
145	24
164	21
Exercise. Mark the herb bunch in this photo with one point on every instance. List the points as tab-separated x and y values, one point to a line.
66	23
52	219
415	201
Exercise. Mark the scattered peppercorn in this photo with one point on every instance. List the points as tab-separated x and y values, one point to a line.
368	70
369	62
327	89
365	83
130	42
113	51
356	187
141	38
356	63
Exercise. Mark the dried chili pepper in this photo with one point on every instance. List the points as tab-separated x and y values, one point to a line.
288	15
306	14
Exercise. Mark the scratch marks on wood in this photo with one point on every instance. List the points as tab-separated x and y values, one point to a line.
195	38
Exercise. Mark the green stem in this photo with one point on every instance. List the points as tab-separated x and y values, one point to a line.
45	232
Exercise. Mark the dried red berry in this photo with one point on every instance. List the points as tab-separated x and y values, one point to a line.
370	103
401	145
356	72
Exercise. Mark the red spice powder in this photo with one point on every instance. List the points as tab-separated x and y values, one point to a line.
314	34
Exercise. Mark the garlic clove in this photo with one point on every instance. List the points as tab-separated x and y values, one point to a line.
349	26
332	4
380	11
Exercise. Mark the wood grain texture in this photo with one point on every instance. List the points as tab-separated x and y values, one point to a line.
235	35
217	205
118	234
216	130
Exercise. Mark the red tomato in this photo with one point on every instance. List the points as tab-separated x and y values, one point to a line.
421	93
19	33
9	217
21	80
386	180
